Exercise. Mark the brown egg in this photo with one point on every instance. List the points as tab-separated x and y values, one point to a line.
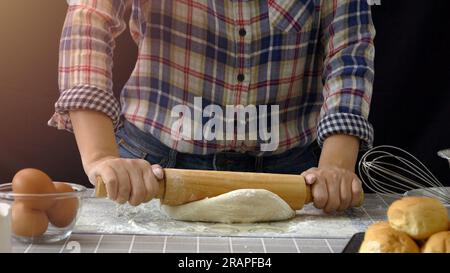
32	181
28	222
64	211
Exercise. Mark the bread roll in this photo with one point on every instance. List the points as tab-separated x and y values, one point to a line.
381	238
378	225
438	243
419	217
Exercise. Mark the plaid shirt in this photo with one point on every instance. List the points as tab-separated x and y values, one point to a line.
313	58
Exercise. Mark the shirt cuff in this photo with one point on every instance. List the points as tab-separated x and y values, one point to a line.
347	124
83	98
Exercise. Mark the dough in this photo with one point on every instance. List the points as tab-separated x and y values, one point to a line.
239	206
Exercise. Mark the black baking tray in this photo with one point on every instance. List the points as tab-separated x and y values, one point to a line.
355	243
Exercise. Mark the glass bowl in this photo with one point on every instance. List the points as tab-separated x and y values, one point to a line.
445	154
54	224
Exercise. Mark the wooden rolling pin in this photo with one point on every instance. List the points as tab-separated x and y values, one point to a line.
184	186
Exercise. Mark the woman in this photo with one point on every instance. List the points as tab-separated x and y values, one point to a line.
312	59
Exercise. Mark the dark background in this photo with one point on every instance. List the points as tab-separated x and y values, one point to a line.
410	106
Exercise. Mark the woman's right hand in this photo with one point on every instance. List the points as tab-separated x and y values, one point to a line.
132	180
127	180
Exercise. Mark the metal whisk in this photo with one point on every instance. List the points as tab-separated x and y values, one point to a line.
392	171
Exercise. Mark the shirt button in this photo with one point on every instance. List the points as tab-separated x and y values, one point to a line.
241	77
242	32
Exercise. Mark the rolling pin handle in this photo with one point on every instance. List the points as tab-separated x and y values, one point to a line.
309	197
361	200
308	194
100	188
101	192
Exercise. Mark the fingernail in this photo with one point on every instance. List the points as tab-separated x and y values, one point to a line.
158	172
310	178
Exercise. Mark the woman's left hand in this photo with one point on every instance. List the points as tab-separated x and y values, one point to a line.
334	188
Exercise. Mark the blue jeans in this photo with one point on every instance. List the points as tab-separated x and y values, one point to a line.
133	143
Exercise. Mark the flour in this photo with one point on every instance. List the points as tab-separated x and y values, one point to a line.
102	216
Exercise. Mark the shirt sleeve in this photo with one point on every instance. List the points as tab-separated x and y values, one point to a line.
85	59
347	35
